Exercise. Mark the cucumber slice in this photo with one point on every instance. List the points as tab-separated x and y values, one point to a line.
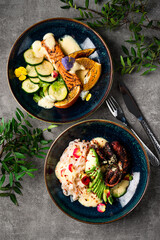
34	80
31	72
44	69
31	59
120	189
29	87
58	90
48	79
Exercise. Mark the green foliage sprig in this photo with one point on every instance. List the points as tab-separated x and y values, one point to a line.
144	52
19	142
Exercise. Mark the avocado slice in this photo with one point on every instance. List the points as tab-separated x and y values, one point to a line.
96	185
100	190
92	160
96	178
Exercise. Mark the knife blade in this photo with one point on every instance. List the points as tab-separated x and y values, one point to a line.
134	109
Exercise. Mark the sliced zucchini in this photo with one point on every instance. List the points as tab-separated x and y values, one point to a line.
31	72
48	79
58	90
120	189
35	80
44	69
29	87
31	59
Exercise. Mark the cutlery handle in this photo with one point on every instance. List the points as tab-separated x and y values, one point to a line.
152	158
151	136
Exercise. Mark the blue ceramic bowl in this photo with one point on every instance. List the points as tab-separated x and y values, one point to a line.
140	170
86	38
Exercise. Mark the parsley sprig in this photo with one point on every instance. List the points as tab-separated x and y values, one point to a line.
19	142
144	52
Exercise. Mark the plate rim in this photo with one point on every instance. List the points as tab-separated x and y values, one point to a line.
105	121
111	72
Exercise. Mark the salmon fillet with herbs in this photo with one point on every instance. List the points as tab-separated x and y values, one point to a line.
55	56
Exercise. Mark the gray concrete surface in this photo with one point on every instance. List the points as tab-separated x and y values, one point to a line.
37	217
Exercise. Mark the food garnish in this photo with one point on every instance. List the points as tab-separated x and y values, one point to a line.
88	97
77	152
21	73
101	207
68	62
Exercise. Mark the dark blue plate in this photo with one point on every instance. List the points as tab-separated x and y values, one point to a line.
140	170
86	38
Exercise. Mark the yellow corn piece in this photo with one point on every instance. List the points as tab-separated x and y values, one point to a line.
22	77
89	95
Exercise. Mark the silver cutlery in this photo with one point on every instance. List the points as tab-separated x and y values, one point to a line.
118	113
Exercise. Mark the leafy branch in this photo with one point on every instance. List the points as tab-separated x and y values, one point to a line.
19	142
145	52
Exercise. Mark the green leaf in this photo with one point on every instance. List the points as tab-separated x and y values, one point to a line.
65	7
5	194
30	116
30	174
19	155
122	61
52	126
112	21
18	116
145	72
17	190
28	123
133	51
87	3
14	199
20	176
2	180
11	179
32	170
5	167
18	184
20	112
44	142
81	13
125	50
129	61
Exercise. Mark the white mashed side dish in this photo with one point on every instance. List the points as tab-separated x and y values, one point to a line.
69	171
69	45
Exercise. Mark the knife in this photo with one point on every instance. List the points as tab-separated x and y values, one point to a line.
134	109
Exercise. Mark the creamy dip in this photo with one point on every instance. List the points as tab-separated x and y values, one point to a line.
49	40
46	102
68	45
38	50
76	67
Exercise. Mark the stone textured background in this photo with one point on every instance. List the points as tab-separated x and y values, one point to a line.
37	217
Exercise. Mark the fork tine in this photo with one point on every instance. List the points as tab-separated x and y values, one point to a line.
115	102
110	105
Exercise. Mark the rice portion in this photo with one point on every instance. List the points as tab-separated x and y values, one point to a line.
69	169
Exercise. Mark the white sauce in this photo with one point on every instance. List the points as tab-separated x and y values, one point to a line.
76	67
49	40
84	94
46	102
38	50
69	45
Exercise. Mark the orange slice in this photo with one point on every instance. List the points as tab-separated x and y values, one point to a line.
82	53
70	99
93	74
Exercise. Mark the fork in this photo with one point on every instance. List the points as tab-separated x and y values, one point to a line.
118	113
